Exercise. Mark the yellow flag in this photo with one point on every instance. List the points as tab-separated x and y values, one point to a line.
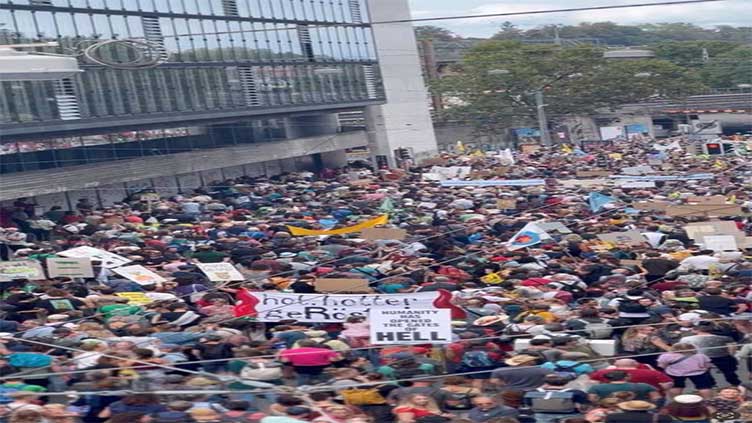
566	149
460	146
381	220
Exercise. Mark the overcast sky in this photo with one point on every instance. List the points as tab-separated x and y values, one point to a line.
728	12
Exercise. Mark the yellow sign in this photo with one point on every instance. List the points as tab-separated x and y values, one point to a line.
492	279
381	220
136	298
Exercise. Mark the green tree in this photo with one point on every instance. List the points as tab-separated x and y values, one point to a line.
728	69
431	32
495	86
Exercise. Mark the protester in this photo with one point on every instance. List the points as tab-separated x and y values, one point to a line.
556	311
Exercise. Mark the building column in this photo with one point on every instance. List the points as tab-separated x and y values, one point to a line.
404	121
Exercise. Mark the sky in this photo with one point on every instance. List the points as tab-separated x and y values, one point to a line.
727	12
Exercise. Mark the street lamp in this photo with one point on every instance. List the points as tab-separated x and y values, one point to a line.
23	66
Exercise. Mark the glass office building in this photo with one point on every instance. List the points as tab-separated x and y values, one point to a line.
231	69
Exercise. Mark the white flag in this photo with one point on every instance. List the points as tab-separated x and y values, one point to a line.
506	157
531	234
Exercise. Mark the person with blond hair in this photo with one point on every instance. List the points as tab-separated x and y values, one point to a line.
417	406
684	362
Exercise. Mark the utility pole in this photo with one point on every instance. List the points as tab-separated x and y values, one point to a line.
542	121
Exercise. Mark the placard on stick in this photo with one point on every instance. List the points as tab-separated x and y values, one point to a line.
21	269
720	243
410	326
139	274
342	285
374	234
220	272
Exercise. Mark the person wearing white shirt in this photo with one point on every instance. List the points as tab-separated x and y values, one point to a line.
703	260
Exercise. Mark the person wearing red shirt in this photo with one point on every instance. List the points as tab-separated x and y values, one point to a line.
638	373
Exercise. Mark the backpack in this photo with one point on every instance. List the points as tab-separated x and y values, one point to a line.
459	401
367	396
596	330
566	371
474	359
542	401
29	360
631	306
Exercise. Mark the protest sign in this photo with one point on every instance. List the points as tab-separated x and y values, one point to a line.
109	260
20	269
697	231
342	285
413	326
715	199
506	203
637	170
703	210
374	234
139	274
68	267
275	306
451	172
630	262
135	298
430	177
636	184
627	237
530	148
651	205
720	243
220	272
595	173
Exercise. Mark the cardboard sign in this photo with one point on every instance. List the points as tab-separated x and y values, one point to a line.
530	148
716	199
630	262
697	231
592	173
411	326
220	272
720	243
109	260
21	269
506	203
628	238
374	234
139	274
342	286
637	170
652	205
135	298
69	267
703	210
269	306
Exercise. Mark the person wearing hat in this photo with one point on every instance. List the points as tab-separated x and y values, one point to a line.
523	374
637	411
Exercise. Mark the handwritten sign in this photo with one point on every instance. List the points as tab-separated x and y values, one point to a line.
21	269
411	326
627	237
703	210
374	234
109	260
136	298
220	272
139	274
69	267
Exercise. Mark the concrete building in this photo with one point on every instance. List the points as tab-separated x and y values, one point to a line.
245	88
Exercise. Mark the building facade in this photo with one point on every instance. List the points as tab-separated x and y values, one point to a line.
243	87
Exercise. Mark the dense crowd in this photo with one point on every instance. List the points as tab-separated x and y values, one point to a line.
571	329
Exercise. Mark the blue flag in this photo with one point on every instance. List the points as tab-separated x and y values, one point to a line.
598	200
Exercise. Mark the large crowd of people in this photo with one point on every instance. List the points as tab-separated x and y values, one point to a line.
570	327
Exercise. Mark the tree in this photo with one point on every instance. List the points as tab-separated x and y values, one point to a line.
496	86
431	32
508	31
729	69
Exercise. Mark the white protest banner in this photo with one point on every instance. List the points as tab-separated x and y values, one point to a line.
21	269
636	184
139	274
413	326
692	177
451	172
220	272
69	267
637	170
620	238
494	183
108	259
720	243
554	227
276	306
